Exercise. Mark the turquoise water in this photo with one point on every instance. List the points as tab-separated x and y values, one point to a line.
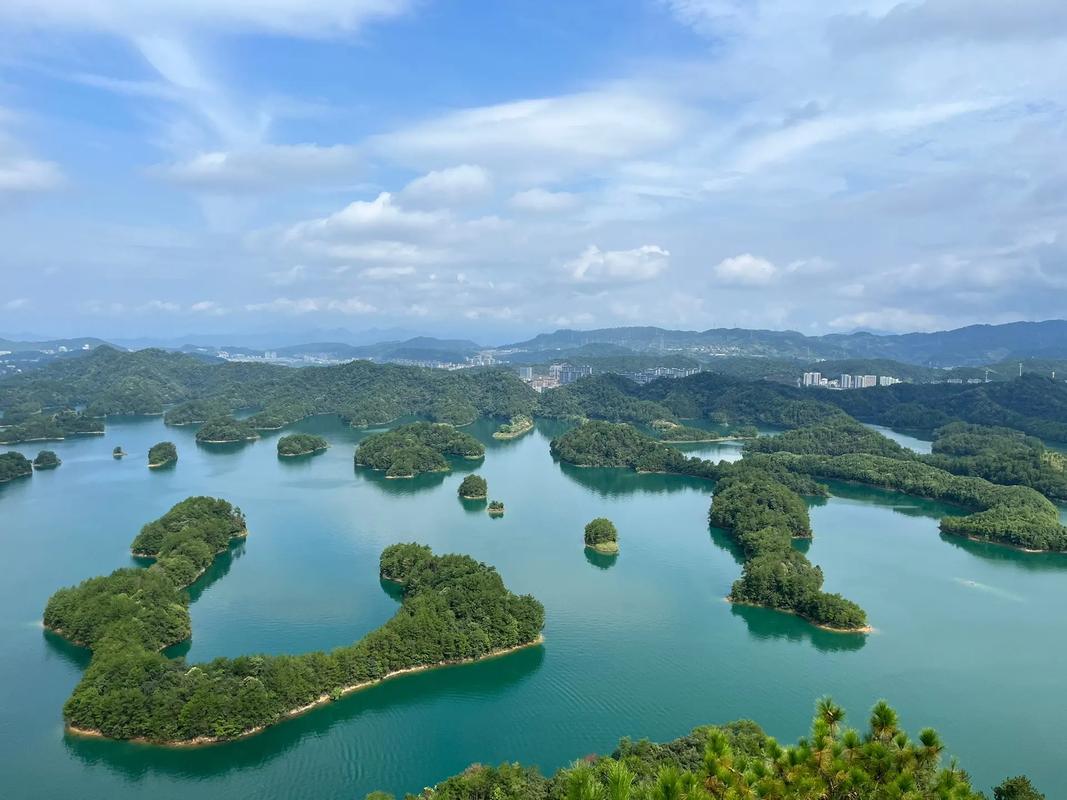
968	637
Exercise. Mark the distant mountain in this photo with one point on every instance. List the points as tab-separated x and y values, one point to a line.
419	348
970	346
269	340
56	345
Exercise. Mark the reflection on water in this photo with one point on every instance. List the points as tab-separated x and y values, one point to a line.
1031	562
396	697
614	482
601	560
768	624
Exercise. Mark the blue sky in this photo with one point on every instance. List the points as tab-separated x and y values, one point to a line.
500	168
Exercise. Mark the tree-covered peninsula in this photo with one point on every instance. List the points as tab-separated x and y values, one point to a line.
51	427
225	430
454	609
409	450
46	459
301	444
14	465
763	515
473	487
161	454
738	760
601	535
607	444
196	412
514	428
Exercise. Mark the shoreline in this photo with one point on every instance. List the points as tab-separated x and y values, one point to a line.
304	453
864	630
163	463
320	701
227	441
507	435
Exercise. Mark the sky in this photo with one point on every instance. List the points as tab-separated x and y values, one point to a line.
495	169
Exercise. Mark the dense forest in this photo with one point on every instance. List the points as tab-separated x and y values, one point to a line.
14	465
162	453
41	427
514	428
225	429
46	459
419	447
473	487
738	760
107	382
301	444
602	536
454	609
763	515
1000	455
609	444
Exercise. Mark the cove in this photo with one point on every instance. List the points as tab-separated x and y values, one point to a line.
954	619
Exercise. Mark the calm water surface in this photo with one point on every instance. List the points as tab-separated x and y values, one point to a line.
970	638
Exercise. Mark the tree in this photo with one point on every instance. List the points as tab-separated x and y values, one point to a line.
162	453
1017	788
601	535
474	487
46	459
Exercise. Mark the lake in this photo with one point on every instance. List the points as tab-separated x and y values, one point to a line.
967	635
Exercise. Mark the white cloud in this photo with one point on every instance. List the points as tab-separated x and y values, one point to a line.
379	217
155	306
887	319
544	135
310	305
542	200
294	17
640	264
386	273
744	270
452	186
287	277
262	167
16	304
28	175
207	307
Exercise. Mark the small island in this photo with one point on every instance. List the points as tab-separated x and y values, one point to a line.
118	452
413	449
609	444
225	430
46	459
162	454
301	444
474	487
601	535
495	508
14	465
515	428
673	432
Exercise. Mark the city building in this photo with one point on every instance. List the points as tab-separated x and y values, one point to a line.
526	373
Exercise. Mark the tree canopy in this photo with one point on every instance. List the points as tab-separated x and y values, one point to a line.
606	444
14	465
419	447
601	535
225	429
300	444
162	453
46	459
474	487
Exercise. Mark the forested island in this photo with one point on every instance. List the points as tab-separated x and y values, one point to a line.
495	508
409	450
473	487
601	535
608	444
301	444
161	454
196	412
225	430
514	428
738	760
676	433
118	452
54	427
454	609
46	459
14	465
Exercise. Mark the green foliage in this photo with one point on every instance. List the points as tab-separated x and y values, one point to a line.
474	487
607	444
671	432
162	453
454	609
1017	788
298	444
14	465
834	436
112	382
514	428
1031	404
50	426
419	447
46	459
1011	515
600	534
1000	455
763	515
739	760
495	508
226	429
